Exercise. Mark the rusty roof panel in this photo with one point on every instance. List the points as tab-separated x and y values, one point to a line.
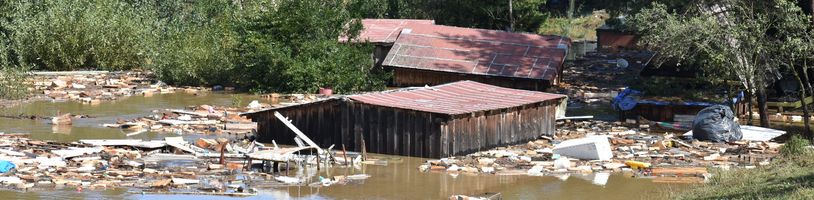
385	30
455	98
478	51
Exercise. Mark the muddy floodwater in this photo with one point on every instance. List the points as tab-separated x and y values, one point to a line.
399	179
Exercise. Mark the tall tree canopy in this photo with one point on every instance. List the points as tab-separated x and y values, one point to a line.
732	39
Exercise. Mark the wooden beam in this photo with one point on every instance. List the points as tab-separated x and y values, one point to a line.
297	131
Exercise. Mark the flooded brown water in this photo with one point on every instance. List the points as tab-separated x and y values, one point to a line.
398	180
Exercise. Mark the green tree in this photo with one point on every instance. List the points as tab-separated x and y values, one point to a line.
295	48
732	39
794	38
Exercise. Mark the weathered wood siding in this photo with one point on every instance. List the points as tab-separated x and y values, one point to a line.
316	120
403	77
486	130
396	131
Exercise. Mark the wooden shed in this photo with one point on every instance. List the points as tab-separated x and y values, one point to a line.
440	121
426	54
382	33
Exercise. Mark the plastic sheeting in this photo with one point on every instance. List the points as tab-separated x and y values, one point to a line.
6	166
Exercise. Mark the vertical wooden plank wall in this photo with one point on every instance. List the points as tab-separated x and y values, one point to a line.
485	130
406	132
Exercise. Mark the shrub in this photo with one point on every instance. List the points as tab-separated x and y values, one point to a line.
796	146
69	35
13	82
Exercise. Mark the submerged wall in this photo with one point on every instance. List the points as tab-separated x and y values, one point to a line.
407	132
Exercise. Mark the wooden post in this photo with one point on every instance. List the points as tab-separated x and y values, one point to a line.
318	163
222	152
248	165
364	150
345	155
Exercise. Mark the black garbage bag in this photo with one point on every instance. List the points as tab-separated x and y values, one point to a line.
716	124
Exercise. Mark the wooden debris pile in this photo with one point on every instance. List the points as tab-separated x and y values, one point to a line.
668	158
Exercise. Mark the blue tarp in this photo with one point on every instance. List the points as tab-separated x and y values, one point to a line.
6	166
628	99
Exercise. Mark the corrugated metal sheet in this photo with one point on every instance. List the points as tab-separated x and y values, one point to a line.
455	98
385	30
478	51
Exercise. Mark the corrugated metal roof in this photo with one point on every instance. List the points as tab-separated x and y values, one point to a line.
455	98
478	51
385	30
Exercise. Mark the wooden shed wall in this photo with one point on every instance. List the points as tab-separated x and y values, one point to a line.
396	131
403	77
391	131
319	121
486	130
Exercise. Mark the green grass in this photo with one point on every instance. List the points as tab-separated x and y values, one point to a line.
790	177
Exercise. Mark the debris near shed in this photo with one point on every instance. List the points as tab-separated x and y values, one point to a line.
94	87
663	157
203	119
597	77
170	166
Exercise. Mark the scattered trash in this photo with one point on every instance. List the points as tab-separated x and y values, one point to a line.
590	148
717	124
754	133
6	166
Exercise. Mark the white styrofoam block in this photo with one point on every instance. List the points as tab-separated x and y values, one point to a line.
589	148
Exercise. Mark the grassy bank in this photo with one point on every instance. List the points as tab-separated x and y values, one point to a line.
788	177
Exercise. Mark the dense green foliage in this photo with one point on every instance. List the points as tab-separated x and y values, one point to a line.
262	45
69	35
527	15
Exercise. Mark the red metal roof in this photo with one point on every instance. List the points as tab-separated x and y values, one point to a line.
455	98
478	51
385	30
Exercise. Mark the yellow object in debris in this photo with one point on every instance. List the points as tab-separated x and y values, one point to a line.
637	165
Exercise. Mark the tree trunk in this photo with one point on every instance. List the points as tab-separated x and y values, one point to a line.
806	115
807	82
762	107
749	105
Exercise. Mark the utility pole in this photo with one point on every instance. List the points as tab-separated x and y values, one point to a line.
511	17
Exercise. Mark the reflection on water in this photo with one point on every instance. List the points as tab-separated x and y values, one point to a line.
398	180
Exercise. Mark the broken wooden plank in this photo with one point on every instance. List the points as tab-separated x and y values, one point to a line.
133	143
240	126
687	171
175	122
297	131
685	180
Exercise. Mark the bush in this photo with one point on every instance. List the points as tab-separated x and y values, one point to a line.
13	82
796	146
70	35
197	45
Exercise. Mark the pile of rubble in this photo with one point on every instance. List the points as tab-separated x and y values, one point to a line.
169	166
203	119
94	87
206	119
603	147
598	77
